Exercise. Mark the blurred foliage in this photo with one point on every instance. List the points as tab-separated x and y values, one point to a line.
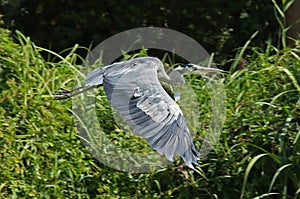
220	26
43	157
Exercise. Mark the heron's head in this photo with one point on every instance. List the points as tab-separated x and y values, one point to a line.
193	68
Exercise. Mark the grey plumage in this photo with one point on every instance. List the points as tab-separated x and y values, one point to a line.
134	90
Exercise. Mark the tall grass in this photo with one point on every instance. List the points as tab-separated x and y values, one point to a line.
284	103
39	147
43	157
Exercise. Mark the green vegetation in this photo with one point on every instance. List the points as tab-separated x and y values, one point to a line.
42	156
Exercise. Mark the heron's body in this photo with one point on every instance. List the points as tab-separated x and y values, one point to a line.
133	88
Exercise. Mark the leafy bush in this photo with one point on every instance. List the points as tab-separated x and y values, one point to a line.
42	156
266	99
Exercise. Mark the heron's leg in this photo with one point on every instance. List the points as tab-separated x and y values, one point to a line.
65	93
64	90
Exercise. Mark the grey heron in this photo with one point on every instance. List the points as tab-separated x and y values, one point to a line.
135	91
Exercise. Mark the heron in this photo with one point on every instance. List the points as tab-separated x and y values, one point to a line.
134	89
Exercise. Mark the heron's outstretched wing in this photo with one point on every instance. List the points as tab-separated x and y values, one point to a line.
163	125
139	98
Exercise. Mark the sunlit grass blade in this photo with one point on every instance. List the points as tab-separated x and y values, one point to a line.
248	169
291	76
266	195
280	94
278	172
241	53
278	9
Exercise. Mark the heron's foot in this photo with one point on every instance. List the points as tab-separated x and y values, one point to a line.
65	96
63	93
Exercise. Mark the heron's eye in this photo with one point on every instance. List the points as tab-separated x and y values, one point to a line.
189	66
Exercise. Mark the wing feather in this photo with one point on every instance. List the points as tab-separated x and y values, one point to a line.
135	92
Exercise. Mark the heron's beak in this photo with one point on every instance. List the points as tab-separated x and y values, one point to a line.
206	69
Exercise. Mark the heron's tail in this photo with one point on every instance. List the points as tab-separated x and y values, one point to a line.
95	77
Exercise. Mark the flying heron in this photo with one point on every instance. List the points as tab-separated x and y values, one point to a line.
134	89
